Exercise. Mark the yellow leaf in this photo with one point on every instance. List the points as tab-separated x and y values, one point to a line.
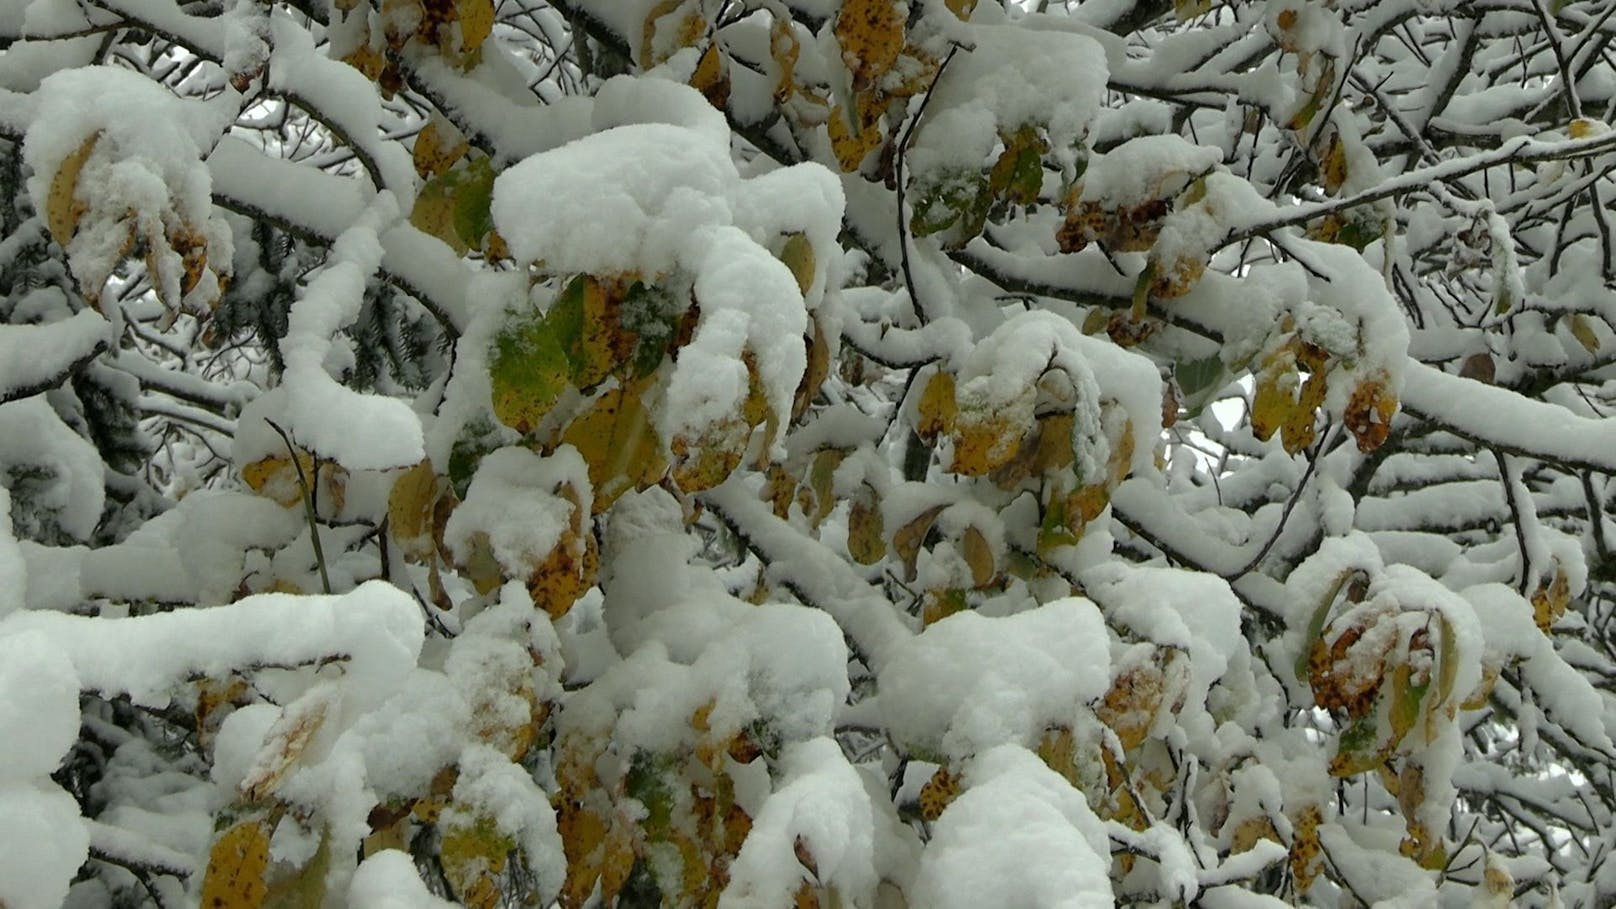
1189	9
785	49
1297	431
670	26
410	508
62	206
476	23
984	440
436	152
1586	127
979	556
937	605
1582	328
852	139
821	474
870	33
235	875
1273	400
937	793
798	255
708	458
961	8
813	377
302	887
566	573
473	853
1306	852
864	532
936	409
1134	700
618	443
711	76
1550	600
1058	749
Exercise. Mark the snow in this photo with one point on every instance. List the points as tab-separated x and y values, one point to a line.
821	806
13	567
39	716
148	165
968	682
513	501
377	626
359	431
1193	611
35	356
42	846
388	880
1019	835
64	470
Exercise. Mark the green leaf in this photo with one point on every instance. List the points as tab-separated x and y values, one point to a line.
580	322
474	195
528	371
647	782
652	313
1199	380
1404	707
1355	749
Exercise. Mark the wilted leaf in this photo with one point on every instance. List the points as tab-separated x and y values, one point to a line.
703	461
854	134
286	740
62	207
906	540
798	255
1369	411
235	875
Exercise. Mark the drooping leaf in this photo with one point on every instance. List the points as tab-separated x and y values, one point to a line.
618	443
62	206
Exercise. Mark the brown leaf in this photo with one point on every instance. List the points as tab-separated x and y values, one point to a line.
62	206
939	791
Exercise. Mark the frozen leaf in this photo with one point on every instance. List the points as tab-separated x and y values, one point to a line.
1018	174
984	440
303	887
528	370
62	206
1306	852
937	605
236	867
870	33
1369	411
705	460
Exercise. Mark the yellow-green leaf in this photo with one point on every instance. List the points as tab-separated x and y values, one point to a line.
528	370
235	875
618	443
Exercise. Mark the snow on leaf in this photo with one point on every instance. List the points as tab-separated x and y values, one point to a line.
287	740
528	370
870	33
62	207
